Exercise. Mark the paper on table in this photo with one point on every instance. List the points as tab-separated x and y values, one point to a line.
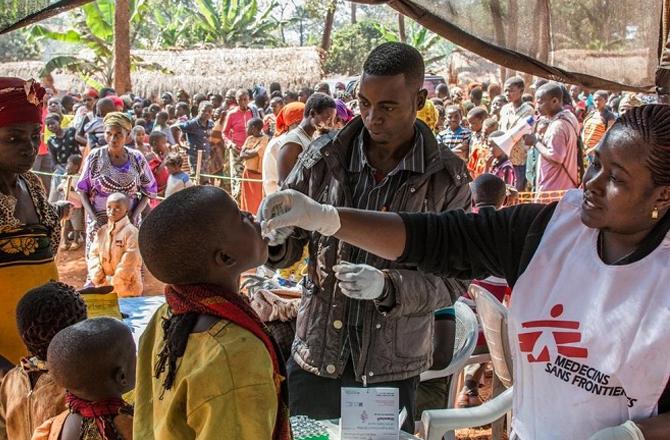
370	414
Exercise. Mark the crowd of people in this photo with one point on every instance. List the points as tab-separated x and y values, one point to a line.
167	184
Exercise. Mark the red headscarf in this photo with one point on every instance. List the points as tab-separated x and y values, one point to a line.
20	101
291	114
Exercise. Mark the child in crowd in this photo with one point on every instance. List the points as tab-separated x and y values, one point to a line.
478	145
72	234
114	258
488	192
94	361
178	179
501	166
28	394
252	154
163	126
206	364
138	137
455	137
157	159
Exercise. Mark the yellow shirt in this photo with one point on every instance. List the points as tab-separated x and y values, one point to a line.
224	387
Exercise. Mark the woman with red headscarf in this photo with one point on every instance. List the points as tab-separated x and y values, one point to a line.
289	117
29	225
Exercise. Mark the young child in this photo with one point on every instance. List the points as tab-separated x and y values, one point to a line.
455	137
94	361
178	179
488	192
163	126
157	159
138	134
252	154
73	231
206	364
478	145
114	258
28	394
501	166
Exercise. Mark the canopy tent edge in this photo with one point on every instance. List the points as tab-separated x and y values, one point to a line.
44	13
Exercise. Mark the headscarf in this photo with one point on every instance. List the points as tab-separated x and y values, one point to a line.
92	92
291	114
118	119
344	113
118	102
20	101
428	114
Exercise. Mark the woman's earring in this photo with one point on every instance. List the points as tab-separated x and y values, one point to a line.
654	213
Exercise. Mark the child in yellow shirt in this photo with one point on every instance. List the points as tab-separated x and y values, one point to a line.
207	367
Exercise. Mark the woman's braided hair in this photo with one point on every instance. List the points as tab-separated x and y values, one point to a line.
652	124
46	310
176	330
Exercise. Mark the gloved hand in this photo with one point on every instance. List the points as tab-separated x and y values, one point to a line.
360	281
276	237
292	208
626	431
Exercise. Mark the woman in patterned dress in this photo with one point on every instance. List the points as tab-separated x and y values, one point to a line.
114	168
29	225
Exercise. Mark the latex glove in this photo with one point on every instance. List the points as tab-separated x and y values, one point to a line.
360	281
278	236
292	208
626	431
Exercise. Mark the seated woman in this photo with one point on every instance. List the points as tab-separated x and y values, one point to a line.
588	323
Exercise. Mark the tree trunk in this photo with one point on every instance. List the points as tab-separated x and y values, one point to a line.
544	19
499	30
353	12
122	82
512	28
328	26
402	33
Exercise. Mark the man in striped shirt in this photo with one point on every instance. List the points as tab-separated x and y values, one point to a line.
597	122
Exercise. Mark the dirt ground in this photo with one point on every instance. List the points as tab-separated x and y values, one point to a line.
72	270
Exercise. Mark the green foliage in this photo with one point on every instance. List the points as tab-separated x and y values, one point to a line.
351	45
93	31
16	46
433	47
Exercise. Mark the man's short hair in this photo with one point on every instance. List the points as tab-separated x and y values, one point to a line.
602	93
515	81
551	90
478	112
319	102
390	59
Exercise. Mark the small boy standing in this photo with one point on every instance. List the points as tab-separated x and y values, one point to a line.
94	361
252	154
114	258
455	137
28	394
178	179
501	166
157	159
206	364
73	230
478	145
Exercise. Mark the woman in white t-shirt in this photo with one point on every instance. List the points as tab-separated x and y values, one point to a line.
588	321
288	119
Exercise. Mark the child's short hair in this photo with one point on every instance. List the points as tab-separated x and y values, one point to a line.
488	190
174	159
75	159
490	124
452	109
255	122
86	356
119	198
155	137
53	117
204	104
46	310
192	212
478	112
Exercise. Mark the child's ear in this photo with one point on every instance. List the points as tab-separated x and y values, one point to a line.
121	378
223	259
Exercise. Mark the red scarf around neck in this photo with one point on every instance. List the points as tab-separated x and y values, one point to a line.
211	300
100	411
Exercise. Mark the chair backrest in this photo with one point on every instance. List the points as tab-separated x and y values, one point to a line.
464	344
493	317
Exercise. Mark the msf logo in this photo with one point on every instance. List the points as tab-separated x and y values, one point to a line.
555	332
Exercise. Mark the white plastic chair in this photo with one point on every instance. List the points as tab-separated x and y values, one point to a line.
438	424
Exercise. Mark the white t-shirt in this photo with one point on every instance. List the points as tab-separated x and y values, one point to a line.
177	182
270	171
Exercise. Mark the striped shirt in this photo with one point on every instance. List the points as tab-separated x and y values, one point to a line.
595	126
454	138
372	191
